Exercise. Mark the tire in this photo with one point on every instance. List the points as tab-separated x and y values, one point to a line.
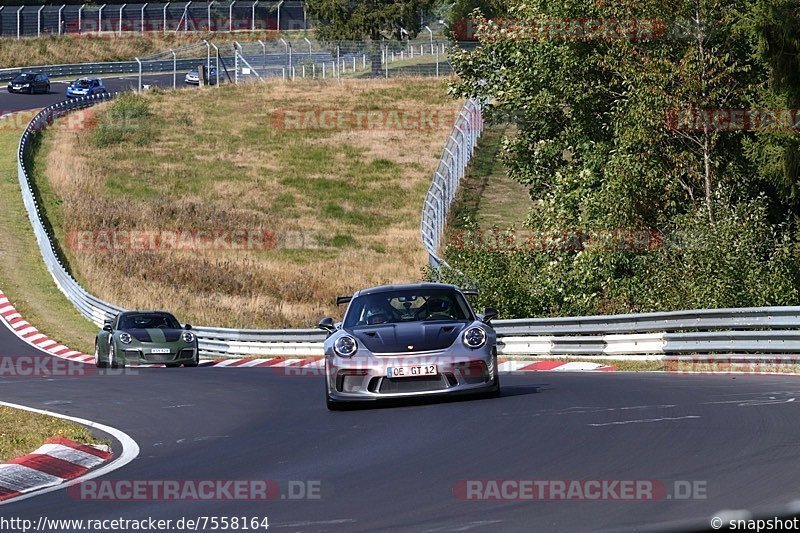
112	358
195	361
31	90
97	362
332	405
47	90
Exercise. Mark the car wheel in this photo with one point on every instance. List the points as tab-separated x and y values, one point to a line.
194	361
494	392
47	90
30	90
112	358
332	405
97	362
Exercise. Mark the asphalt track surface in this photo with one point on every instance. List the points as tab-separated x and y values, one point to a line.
396	467
10	103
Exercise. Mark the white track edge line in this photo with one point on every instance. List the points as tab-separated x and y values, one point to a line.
130	450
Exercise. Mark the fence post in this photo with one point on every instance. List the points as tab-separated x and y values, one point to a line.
164	29
437	61
19	26
140	73
174	69
208	13
278	25
263	57
230	17
60	19
338	65
141	30
120	18
253	22
39	22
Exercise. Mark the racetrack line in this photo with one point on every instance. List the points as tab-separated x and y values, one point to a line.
129	451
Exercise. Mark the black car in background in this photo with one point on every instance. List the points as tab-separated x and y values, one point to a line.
30	82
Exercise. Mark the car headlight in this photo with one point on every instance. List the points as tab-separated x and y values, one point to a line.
188	336
475	337
345	346
125	338
25	85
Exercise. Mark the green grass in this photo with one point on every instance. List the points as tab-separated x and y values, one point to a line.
21	432
23	277
487	196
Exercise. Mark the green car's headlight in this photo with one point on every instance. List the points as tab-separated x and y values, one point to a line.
125	338
188	336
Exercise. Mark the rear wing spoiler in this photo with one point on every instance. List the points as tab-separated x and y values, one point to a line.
343	299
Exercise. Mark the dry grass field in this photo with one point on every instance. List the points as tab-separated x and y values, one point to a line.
342	202
54	50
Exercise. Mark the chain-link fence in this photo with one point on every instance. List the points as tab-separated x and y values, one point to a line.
225	16
292	59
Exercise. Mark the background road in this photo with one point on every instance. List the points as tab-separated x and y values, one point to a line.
10	103
396	467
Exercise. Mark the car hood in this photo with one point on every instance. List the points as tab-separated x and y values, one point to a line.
408	337
155	335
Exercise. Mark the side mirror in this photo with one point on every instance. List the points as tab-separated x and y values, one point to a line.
326	324
489	313
187	327
107	327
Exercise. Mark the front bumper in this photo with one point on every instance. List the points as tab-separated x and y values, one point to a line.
143	356
18	90
365	377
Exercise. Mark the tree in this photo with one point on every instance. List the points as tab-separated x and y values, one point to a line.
362	20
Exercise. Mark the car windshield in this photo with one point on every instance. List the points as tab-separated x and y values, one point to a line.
83	84
148	321
411	305
23	78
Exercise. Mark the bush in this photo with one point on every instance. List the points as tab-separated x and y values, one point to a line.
740	260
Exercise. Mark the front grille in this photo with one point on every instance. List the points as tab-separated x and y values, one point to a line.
186	353
133	354
415	384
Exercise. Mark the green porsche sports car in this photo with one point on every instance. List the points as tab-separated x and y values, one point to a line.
145	338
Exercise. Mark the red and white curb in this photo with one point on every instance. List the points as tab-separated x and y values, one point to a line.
53	463
57	464
25	331
504	365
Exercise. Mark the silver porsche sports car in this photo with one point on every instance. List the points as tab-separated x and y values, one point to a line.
398	341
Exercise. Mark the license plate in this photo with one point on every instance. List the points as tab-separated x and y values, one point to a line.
159	350
411	371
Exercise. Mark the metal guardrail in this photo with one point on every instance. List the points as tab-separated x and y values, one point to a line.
764	330
86	69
